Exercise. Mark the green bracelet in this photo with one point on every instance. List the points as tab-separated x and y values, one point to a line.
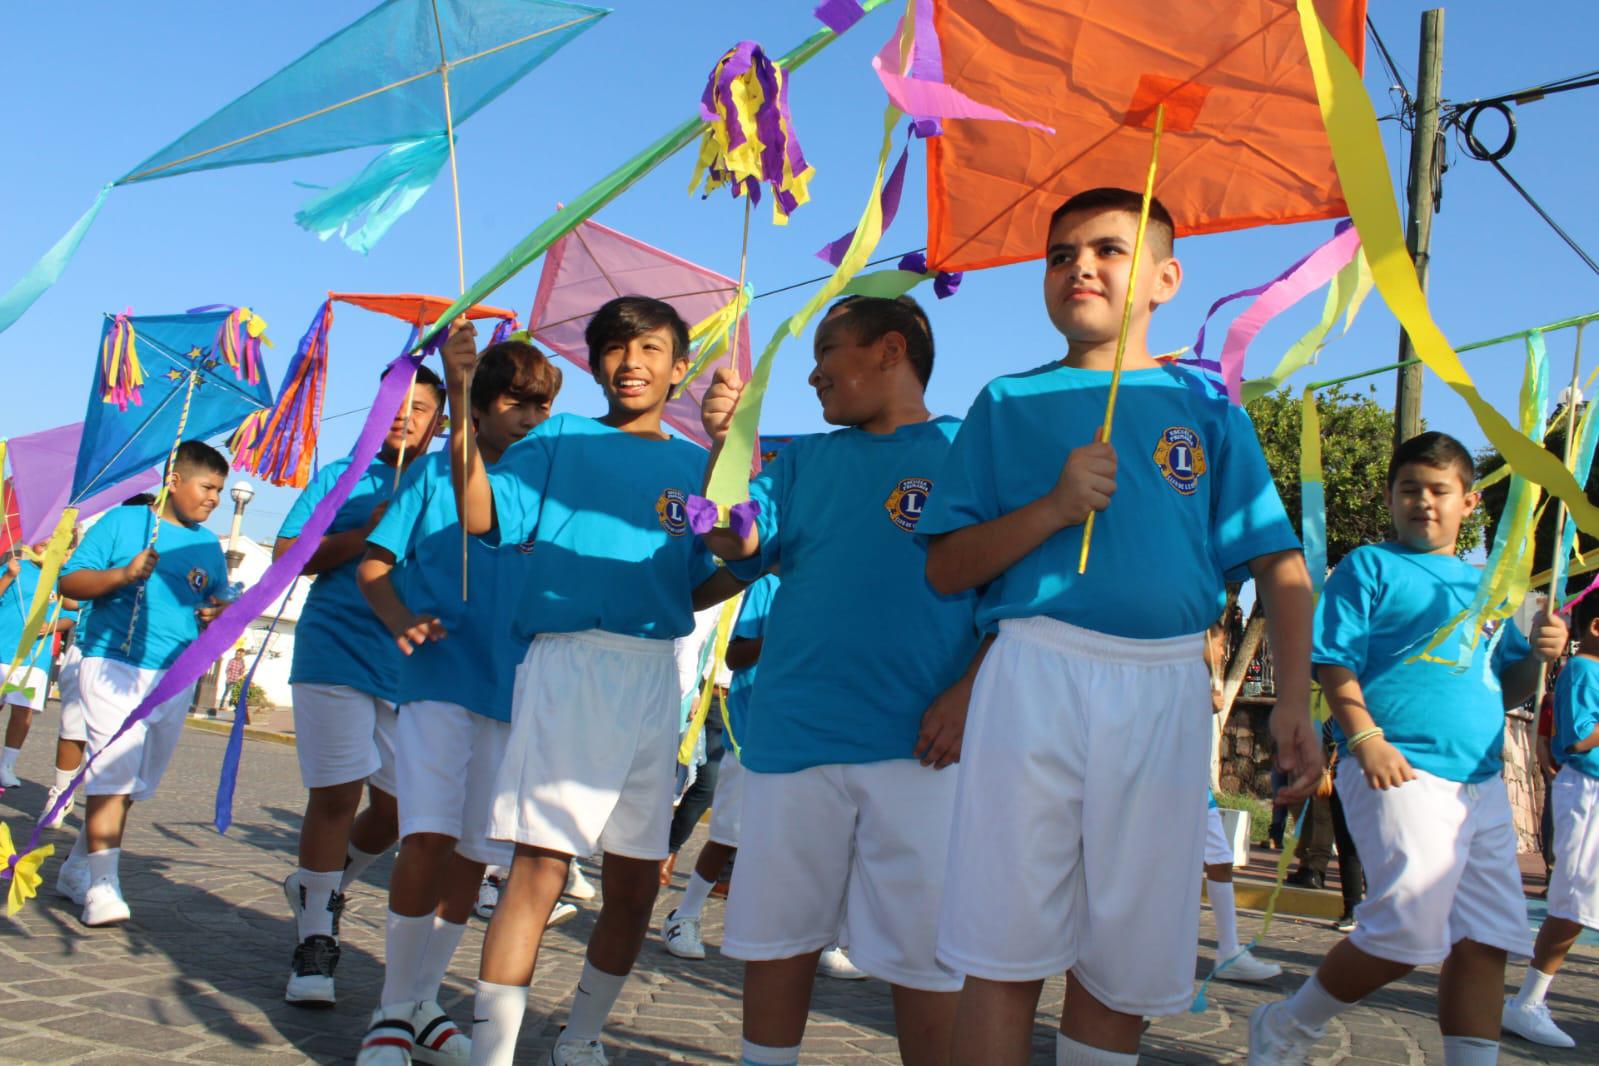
1363	736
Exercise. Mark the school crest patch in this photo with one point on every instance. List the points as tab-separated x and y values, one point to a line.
1181	458
199	579
672	509
905	503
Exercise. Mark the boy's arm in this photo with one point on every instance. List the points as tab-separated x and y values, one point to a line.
743	652
944	724
971	557
1283	584
1546	757
94	584
1587	743
1520	680
474	498
9	574
1383	764
717	588
375	577
334	549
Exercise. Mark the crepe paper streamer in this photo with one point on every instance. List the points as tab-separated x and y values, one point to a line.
239	342
1582	450
1312	493
228	779
362	210
833	252
507	329
1363	172
724	630
711	337
839	15
120	369
49	570
1507	575
945	284
750	138
23	869
729	479
703	516
47	271
1349	289
1127	313
215	640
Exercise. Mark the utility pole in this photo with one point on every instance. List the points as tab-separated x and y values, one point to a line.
1425	165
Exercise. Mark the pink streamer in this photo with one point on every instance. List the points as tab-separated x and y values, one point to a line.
927	100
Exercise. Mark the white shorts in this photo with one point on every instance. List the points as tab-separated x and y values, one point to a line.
1440	862
72	725
341	735
592	756
446	761
860	847
1218	848
1078	829
727	806
108	691
1574	882
29	677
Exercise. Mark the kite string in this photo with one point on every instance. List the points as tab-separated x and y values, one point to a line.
1127	312
161	503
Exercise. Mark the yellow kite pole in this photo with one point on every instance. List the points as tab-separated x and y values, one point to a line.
1127	313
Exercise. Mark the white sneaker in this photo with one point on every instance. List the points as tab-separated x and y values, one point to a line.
835	963
578	1053
578	886
1532	1022
61	816
488	897
9	778
682	937
1269	1047
311	979
563	912
1245	968
389	1039
103	903
439	1041
72	880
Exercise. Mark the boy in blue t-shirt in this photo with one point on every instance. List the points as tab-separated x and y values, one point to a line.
862	695
149	604
681	932
344	678
27	683
1088	742
1419	774
454	713
609	575
1573	797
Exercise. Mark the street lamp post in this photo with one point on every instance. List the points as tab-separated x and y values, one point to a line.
242	493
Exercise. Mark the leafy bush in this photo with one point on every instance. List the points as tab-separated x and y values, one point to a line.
1259	812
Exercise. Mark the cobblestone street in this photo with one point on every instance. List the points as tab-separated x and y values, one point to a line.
197	975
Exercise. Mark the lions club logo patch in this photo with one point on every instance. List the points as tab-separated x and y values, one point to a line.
905	503
199	579
672	509
1181	459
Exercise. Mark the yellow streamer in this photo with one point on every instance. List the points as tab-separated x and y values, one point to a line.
25	877
1363	172
50	569
691	736
716	329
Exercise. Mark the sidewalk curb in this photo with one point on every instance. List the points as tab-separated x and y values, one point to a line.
1252	894
221	728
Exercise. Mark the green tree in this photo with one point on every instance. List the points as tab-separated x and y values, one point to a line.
1357	436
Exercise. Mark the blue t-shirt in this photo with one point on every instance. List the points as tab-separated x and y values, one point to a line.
1576	713
338	640
473	665
14	607
190	571
751	625
599	518
1380	607
1194	499
858	645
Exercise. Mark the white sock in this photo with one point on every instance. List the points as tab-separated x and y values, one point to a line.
355	863
103	864
1226	913
496	1019
405	943
591	1004
9	759
694	896
1470	1051
1313	1006
318	887
80	849
761	1055
63	779
444	939
1533	988
1069	1052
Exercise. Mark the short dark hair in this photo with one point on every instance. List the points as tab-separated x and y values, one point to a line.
870	317
1437	450
197	457
142	499
620	320
516	369
426	378
1109	198
1583	615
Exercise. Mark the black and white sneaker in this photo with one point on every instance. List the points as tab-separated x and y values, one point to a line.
311	980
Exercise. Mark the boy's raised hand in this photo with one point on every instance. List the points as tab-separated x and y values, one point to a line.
460	350
418	630
13	566
1550	635
721	399
1086	483
142	566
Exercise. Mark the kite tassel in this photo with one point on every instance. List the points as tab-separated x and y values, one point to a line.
119	363
503	331
239	341
277	444
749	137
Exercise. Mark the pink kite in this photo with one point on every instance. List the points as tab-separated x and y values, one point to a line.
41	472
593	264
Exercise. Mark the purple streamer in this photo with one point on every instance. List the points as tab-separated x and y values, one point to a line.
741	517
702	515
947	284
892	188
228	779
839	15
220	635
506	327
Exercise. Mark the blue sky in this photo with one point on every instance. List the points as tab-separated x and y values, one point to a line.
104	84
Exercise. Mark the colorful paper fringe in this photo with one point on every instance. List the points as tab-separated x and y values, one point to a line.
750	138
278	445
24	870
505	330
119	359
239	343
710	337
